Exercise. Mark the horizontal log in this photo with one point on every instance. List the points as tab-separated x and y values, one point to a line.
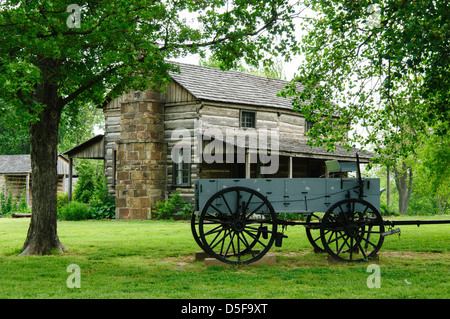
20	215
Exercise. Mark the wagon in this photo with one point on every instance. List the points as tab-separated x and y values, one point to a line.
237	221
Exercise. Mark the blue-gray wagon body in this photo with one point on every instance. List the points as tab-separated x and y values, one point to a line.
295	195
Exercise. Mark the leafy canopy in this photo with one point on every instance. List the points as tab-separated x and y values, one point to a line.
381	66
93	51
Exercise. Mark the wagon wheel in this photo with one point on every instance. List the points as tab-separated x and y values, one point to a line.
194	229
313	231
351	230
237	225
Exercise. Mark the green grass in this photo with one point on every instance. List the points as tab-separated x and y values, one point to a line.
154	259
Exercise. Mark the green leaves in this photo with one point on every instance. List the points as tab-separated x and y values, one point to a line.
124	44
381	78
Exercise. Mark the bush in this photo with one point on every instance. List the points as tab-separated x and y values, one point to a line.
62	200
74	211
89	176
6	203
7	206
102	204
103	209
386	210
173	207
92	189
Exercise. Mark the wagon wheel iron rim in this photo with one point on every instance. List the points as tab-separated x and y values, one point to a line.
237	225
351	230
313	231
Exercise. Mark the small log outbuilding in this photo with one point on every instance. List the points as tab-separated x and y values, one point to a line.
16	177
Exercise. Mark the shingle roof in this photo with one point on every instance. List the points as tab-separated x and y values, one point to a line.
213	84
21	164
15	164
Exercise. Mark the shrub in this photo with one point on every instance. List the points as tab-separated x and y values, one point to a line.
74	211
89	175
102	204
103	209
22	205
6	204
62	200
173	207
386	210
92	189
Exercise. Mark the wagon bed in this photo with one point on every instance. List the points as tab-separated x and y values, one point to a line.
295	195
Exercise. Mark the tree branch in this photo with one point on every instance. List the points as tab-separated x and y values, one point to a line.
86	86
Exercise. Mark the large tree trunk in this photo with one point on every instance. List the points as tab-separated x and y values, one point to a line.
42	235
403	181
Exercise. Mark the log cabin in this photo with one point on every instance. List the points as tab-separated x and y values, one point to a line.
207	123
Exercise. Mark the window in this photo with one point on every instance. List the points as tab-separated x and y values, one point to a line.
181	171
309	125
248	119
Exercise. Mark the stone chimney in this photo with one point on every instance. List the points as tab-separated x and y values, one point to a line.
141	156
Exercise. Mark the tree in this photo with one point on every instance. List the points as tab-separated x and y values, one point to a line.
403	177
382	66
54	55
432	169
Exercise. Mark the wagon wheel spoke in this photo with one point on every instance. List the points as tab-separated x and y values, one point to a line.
226	203
218	229
232	234
212	243
256	238
255	210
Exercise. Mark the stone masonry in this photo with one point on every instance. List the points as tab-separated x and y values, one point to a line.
141	156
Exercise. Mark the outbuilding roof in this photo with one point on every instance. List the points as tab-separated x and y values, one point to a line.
213	84
21	164
15	164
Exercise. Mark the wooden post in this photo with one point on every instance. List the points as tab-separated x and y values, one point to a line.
27	190
247	164
70	178
388	189
290	167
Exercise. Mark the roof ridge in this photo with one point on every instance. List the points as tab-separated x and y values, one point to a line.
218	69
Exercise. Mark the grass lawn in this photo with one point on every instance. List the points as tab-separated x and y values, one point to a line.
154	259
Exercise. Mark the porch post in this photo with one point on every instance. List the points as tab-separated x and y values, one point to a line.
290	167
27	190
247	163
388	188
70	178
